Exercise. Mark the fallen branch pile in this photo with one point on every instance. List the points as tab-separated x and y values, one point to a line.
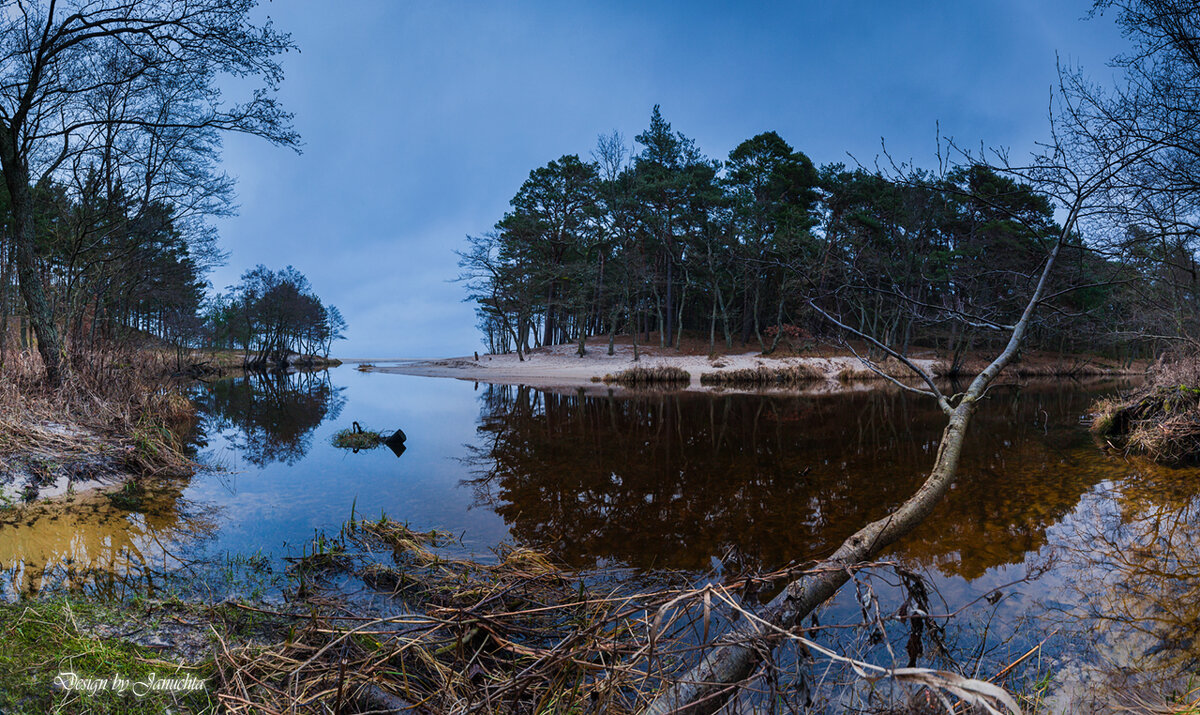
516	636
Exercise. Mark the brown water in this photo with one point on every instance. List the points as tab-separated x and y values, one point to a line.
671	480
1070	534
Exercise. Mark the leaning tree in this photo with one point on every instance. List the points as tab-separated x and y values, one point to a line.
1111	159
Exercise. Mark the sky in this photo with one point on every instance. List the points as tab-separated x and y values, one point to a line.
420	120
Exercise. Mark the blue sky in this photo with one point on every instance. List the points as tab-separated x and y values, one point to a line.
420	120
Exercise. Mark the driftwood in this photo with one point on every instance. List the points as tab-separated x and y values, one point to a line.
734	658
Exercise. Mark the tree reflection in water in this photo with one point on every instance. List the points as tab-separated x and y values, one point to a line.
1137	587
675	479
87	543
270	417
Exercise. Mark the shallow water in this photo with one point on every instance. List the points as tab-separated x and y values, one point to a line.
691	481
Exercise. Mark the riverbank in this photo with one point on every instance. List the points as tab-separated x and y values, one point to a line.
115	420
230	363
560	366
417	631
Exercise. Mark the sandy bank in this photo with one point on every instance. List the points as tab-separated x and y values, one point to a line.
558	366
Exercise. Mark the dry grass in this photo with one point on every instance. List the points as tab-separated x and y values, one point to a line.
636	376
520	635
1161	419
356	439
890	367
762	376
113	408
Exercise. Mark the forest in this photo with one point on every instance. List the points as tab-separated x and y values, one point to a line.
121	270
111	130
767	250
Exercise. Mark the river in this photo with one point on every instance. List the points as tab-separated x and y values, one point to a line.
1046	538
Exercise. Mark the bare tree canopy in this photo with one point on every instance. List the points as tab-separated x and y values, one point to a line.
131	90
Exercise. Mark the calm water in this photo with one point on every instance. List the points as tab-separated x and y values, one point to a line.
688	481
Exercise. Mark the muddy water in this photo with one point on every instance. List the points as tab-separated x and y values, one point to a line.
1069	535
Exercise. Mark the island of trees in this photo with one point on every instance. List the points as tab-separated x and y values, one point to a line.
753	250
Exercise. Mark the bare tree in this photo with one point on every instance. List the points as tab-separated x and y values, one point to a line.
1094	166
75	74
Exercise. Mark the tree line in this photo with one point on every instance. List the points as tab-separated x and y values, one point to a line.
110	133
766	249
112	274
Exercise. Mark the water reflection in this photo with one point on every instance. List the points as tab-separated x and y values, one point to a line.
87	542
1135	588
270	417
674	479
668	480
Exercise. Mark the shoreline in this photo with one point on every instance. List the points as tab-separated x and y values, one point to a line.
559	367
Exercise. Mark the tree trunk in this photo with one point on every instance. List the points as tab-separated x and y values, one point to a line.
668	327
711	683
16	176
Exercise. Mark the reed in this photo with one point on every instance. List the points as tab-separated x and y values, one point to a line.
663	374
762	376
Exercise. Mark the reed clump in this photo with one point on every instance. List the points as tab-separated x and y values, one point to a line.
662	374
356	439
763	376
1161	419
890	367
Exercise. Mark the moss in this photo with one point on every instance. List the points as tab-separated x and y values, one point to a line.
40	640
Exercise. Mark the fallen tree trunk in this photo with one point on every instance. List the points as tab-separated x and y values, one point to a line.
716	677
726	664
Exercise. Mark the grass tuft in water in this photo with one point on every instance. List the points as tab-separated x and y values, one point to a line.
130	497
350	438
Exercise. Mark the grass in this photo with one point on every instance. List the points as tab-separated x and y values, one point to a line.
762	376
356	439
40	640
636	376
